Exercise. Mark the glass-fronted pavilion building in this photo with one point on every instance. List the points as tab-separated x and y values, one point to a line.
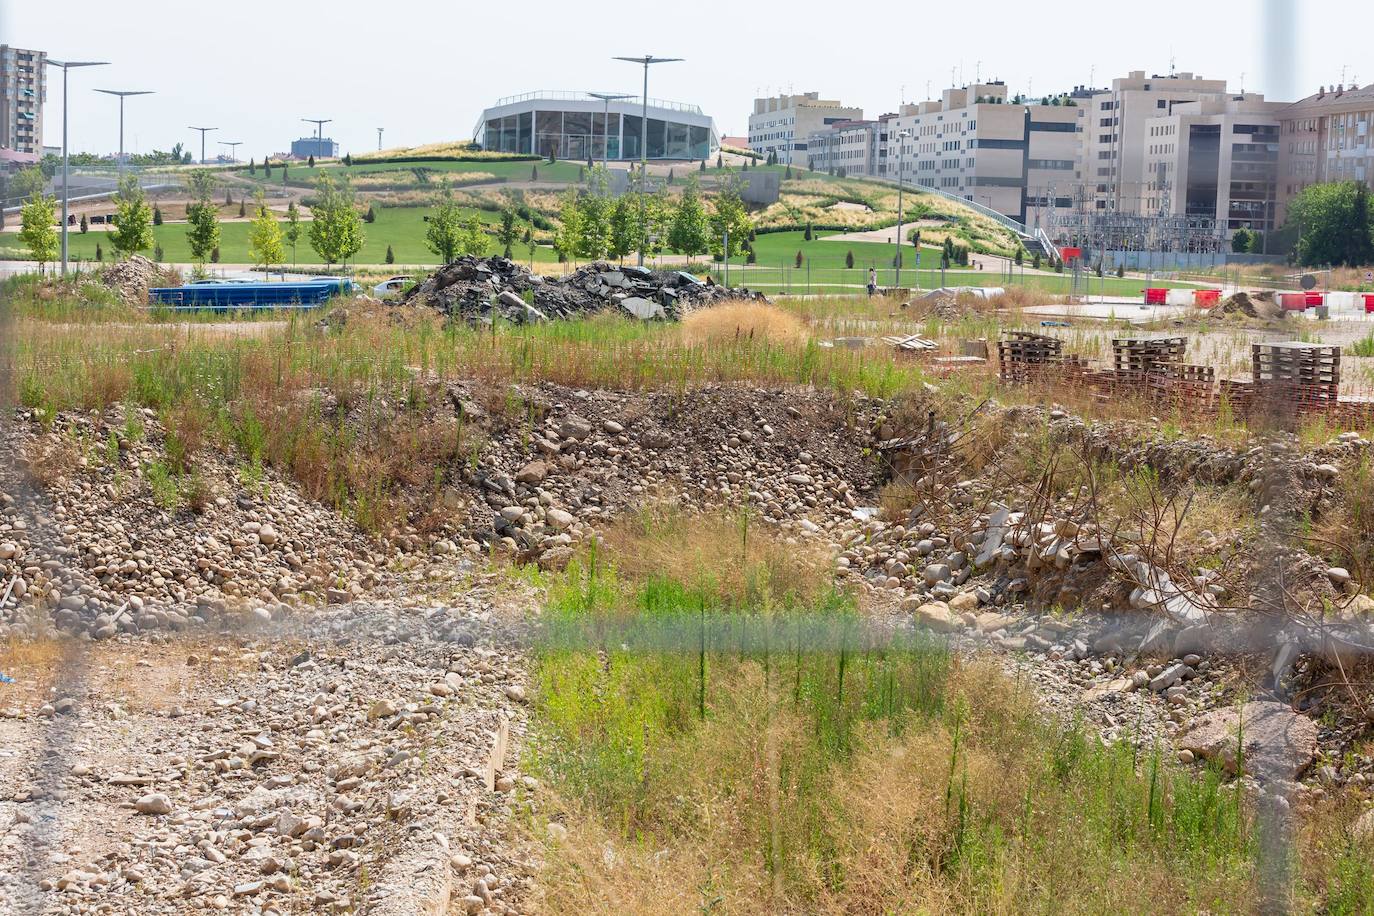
576	125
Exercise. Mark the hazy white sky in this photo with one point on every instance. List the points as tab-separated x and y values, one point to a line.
425	70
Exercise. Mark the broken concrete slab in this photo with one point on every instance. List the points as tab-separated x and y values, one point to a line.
643	309
1279	744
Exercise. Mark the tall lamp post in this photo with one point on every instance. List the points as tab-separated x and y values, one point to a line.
233	148
319	130
122	95
379	138
67	65
607	97
902	137
645	61
203	132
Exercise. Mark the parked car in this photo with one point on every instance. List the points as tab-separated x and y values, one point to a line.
392	287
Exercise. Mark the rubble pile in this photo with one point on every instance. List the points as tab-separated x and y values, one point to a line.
481	289
133	278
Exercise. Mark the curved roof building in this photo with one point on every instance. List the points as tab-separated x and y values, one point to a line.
576	125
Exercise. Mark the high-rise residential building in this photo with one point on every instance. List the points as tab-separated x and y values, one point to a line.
1325	137
23	90
783	124
976	143
1115	136
1214	158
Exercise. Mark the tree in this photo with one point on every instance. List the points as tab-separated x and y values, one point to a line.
1020	256
849	259
807	234
99	252
534	173
29	182
348	159
252	166
265	237
38	231
670	176
703	167
507	235
283	172
1333	224
390	255
157	215
336	232
133	230
1120	271
157	253
214	255
85	224
1240	241
787	173
445	227
472	238
624	220
228	198
568	236
311	161
243	208
293	228
202	217
594	207
799	258
720	160
729	215
689	233
371	215
266	168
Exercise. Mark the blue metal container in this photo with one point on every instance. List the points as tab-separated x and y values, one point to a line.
306	294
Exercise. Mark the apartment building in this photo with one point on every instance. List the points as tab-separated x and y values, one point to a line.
1217	158
783	124
850	148
1009	156
23	90
1325	137
1115	134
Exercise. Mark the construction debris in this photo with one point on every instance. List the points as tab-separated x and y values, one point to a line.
915	343
480	289
132	279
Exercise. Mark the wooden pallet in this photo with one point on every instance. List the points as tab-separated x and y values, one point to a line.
1024	355
1147	354
1292	361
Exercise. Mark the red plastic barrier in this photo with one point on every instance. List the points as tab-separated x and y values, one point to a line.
1155	296
1313	299
1206	298
1369	303
1293	302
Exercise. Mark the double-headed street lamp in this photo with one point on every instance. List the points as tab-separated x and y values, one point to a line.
645	61
203	132
122	95
233	148
607	97
67	65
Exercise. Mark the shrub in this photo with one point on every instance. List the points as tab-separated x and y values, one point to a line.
390	255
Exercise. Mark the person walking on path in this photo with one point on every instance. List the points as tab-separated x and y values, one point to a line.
872	282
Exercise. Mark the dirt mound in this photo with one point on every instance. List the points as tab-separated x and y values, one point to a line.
133	278
479	289
1261	305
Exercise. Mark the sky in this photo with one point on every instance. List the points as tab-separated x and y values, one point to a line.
425	70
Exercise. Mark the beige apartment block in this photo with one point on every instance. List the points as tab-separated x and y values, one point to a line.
1115	131
850	148
976	143
783	124
23	90
1215	158
1325	137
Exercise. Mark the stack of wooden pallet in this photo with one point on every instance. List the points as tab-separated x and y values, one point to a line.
1300	376
1023	355
1139	357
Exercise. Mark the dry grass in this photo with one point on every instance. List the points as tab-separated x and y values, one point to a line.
734	556
737	322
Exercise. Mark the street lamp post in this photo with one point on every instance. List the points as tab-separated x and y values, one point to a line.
122	95
645	61
902	137
67	65
607	97
203	132
319	130
379	138
233	148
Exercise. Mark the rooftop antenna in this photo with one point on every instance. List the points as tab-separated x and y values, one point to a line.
927	90
952	70
1242	83
978	72
1173	63
1092	75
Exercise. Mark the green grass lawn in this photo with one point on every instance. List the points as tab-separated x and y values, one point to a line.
403	228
